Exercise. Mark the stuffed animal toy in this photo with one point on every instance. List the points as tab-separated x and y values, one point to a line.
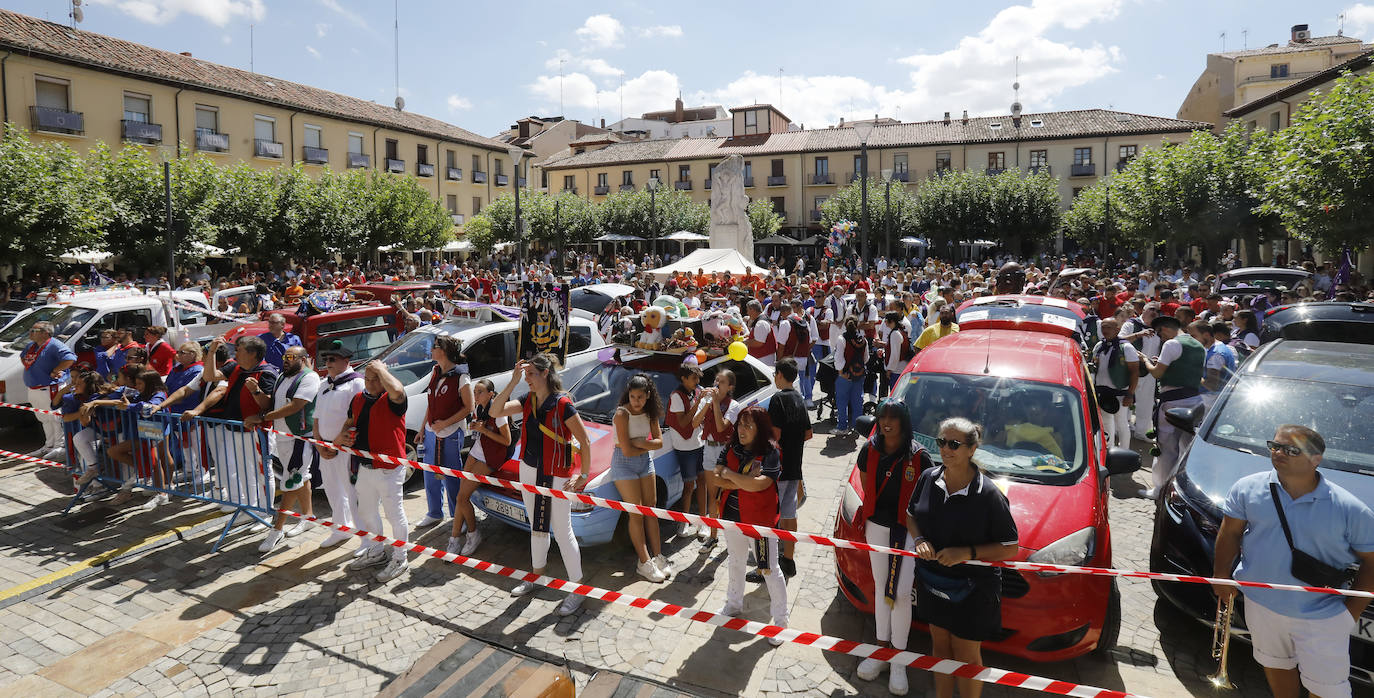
625	332
674	307
653	319
682	340
736	325
717	332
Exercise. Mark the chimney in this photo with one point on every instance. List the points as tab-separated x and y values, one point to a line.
186	53
841	122
678	114
965	116
1300	34
603	123
946	118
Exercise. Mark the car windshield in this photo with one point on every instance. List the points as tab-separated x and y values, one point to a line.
590	301
1030	312
1031	431
408	359
20	329
66	322
1250	412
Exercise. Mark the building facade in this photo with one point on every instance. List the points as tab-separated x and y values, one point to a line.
81	88
679	122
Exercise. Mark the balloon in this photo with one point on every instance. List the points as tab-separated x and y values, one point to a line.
738	351
701	356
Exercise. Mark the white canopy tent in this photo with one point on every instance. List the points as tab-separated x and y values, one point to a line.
687	236
711	261
84	255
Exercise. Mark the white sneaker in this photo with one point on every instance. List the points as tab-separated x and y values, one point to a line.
273	539
297	529
156	502
570	605
728	610
776	641
703	532
397	567
334	539
664	567
1146	493
372	558
688	529
523	588
470	544
455	545
361	551
896	683
428	521
649	571
871	668
58	454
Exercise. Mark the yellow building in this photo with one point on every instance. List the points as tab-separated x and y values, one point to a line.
1234	78
82	88
798	170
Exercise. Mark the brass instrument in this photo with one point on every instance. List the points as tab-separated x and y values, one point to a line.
1221	643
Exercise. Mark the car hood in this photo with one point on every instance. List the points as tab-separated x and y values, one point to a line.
1214	469
1046	513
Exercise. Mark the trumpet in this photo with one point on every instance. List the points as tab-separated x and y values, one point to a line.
1221	642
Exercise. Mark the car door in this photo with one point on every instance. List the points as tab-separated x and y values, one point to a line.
492	355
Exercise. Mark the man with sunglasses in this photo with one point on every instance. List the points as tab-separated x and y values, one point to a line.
332	404
1301	639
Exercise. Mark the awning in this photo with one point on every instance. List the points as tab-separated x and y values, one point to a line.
711	261
687	236
457	246
619	237
777	240
84	255
914	242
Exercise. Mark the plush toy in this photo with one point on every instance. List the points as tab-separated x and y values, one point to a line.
625	332
674	307
736	325
683	340
717	332
653	318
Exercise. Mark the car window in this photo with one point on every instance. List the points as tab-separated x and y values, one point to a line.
590	301
364	345
580	340
243	302
67	322
354	323
1248	414
598	393
134	320
408	359
20	329
490	355
748	379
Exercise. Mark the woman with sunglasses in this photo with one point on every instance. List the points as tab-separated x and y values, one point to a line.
957	515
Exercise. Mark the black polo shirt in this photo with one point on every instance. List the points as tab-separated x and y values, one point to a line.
976	515
788	412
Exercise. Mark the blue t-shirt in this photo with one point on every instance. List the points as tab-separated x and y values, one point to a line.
71	404
39	373
178	379
1228	354
1327	523
276	348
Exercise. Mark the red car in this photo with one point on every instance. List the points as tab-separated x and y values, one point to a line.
366	329
1043	446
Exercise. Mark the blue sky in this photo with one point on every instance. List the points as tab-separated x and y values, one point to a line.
482	65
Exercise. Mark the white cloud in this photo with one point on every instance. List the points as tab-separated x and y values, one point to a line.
456	103
581	96
1359	20
313	52
226	39
350	15
662	30
321	29
216	12
601	31
594	66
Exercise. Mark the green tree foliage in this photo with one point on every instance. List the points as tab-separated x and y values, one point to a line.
133	183
552	219
47	205
1023	210
480	232
1016	209
639	213
951	208
886	213
1320	179
763	220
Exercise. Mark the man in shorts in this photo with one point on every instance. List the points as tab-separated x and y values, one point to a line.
293	460
791	429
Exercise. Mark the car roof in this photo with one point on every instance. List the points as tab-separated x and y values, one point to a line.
1037	356
461	325
613	290
1323	362
1026	299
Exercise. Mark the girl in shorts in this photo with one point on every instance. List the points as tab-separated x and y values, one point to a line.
488	454
637	435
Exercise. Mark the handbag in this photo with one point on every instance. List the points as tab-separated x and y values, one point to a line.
1306	568
951	589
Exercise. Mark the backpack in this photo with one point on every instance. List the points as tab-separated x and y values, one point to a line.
908	350
799	340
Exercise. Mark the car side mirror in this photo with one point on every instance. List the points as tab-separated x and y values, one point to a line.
864	425
1185	418
1121	461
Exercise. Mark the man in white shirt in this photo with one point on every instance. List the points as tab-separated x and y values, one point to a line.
292	460
1117	375
332	404
865	311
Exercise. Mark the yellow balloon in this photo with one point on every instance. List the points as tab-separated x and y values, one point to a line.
738	351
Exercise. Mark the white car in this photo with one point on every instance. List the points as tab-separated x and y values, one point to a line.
593	299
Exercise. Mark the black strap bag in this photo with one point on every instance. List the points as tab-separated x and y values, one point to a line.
1306	568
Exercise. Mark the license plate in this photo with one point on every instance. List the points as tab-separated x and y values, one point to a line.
505	509
1364	628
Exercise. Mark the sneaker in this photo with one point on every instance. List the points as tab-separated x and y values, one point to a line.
704	532
570	605
156	502
58	454
361	551
687	530
272	540
664	567
523	588
455	545
228	508
896	683
371	558
788	566
125	494
707	545
870	669
776	641
334	539
648	571
470	544
297	529
732	611
87	477
428	521
395	568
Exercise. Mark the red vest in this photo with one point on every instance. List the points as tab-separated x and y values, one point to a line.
494	453
556	454
869	476
386	430
247	404
798	342
709	431
160	357
445	398
770	345
681	422
758	508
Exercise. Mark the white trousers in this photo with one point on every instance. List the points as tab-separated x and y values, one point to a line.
41	398
737	560
560	525
1144	405
239	461
84	441
1172	442
343	499
894	622
380	491
1117	427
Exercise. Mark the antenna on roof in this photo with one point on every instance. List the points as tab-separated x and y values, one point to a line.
77	14
250	49
396	43
561	61
780	87
1223	42
1245	38
1340	24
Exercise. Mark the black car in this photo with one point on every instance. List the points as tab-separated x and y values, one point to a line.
1328	385
1327	321
1246	283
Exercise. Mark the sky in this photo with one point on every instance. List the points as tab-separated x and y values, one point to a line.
483	65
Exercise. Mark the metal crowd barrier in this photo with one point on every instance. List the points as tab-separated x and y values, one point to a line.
211	460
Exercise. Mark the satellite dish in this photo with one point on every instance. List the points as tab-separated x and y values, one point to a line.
400	103
78	14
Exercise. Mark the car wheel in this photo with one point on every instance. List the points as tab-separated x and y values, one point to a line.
1111	627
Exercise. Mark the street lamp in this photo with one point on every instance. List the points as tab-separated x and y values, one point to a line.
653	214
166	155
516	153
863	129
887	216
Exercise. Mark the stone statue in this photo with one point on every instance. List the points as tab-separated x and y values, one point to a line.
730	227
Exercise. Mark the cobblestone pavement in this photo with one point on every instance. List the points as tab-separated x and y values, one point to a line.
176	619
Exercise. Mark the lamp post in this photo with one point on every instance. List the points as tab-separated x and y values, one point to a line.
653	215
887	216
516	153
863	130
166	155
558	232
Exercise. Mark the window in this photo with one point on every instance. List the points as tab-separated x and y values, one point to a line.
1278	70
779	205
1082	156
579	340
748	169
820	201
1039	158
207	119
355	144
422	154
822	166
498	167
899	162
391	147
52	93
313	136
942	160
710	172
654	174
476	205
1274	121
684	173
858	163
137	108
451	203
997	161
491	354
777	168
543	179
1126	153
751	122
627	178
569	182
264	129
476	163
603	179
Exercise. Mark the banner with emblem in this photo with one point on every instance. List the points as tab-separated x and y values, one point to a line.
544	324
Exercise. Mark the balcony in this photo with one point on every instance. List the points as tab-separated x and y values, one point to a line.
627	187
479	177
1039	169
822	178
901	176
1086	169
315	156
777	181
212	142
359	160
1123	164
748	181
854	176
815	215
683	185
502	180
141	131
453	174
570	190
267	149
457	218
395	166
1266	78
600	190
424	169
994	171
57	120
939	171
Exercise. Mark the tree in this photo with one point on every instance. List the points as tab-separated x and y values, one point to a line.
638	213
479	232
1320	179
763	220
952	208
133	183
393	211
885	213
1023	210
47	202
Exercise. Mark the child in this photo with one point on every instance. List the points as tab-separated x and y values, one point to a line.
80	434
717	416
134	451
637	436
684	435
489	453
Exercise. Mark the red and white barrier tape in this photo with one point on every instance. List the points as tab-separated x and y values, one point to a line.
31	459
765	532
27	408
917	660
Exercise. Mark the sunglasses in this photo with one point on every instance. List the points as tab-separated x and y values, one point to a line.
1286	449
951	444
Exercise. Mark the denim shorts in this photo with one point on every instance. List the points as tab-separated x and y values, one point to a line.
630	467
787	498
689	463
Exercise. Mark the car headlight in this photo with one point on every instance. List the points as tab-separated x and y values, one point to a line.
1074	549
851	504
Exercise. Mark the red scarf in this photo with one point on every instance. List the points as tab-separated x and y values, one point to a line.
32	353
